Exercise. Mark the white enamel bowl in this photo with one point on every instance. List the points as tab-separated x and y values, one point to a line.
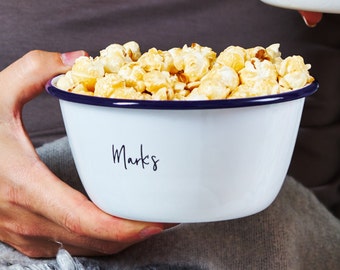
182	161
327	6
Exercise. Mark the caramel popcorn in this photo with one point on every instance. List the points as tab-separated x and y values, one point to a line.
189	73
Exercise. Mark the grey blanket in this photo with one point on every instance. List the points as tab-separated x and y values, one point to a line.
295	232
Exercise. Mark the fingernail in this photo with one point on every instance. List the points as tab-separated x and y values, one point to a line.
308	23
311	19
149	231
68	58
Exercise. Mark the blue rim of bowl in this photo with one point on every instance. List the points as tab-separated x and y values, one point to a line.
179	104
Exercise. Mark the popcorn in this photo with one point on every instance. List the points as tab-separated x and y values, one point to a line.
217	84
157	60
107	85
189	73
133	50
194	62
259	88
86	71
121	54
66	82
233	56
155	80
256	70
113	86
293	73
133	75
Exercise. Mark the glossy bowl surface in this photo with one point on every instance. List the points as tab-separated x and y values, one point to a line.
326	6
182	161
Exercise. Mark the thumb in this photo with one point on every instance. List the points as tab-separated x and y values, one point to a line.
25	78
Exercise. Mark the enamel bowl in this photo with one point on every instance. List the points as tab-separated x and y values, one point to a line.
327	6
182	161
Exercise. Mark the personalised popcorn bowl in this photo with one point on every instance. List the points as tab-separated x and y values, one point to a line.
182	161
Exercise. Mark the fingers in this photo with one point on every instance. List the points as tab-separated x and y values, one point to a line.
33	223
311	18
25	78
73	211
48	196
36	236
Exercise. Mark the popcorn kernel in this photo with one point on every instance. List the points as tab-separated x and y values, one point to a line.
189	73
